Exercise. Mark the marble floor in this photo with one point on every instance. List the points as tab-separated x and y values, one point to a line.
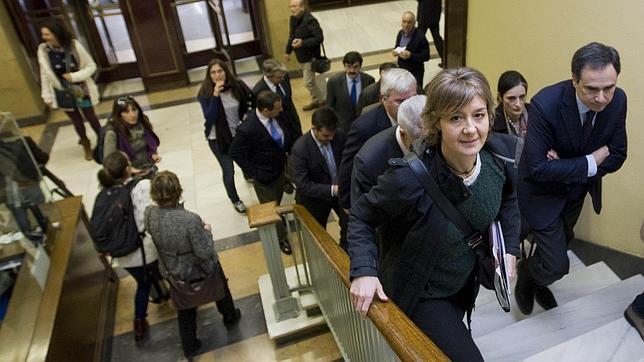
178	120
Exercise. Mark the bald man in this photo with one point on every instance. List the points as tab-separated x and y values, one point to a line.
412	48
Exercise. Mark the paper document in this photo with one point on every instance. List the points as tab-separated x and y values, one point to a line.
502	280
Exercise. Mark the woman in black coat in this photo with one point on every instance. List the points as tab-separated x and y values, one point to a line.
430	273
512	111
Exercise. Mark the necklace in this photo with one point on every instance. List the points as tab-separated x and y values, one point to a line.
463	174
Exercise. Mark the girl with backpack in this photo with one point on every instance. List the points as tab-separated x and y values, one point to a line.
116	174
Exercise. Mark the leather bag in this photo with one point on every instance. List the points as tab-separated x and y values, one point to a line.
321	64
190	294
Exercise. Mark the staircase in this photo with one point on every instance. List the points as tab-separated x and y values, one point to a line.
588	324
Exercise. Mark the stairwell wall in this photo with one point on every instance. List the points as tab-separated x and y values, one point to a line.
538	39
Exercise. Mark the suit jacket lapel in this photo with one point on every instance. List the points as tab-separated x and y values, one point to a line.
570	115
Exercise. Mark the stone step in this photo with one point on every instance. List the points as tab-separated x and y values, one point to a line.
581	281
487	296
540	332
615	341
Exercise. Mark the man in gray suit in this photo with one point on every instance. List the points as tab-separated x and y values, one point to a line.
343	89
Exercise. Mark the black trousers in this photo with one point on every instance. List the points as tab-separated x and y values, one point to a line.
187	318
442	321
429	14
550	261
227	170
272	192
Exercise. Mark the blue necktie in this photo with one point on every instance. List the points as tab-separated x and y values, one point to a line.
330	162
275	134
354	92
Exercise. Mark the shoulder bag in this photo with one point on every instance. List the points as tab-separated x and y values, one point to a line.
485	273
321	64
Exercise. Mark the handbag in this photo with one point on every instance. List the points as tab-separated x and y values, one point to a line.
72	95
321	64
485	265
190	294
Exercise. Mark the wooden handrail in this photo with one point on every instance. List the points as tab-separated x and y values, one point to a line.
408	342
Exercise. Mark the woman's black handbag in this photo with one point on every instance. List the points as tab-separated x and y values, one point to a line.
321	64
190	294
65	97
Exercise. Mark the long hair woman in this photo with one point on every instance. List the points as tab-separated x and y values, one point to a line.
115	172
431	272
65	64
129	130
224	100
187	259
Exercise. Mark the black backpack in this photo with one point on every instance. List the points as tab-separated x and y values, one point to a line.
97	152
112	224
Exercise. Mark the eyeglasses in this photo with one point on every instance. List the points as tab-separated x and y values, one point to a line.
123	101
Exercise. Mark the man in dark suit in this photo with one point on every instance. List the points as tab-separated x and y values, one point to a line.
260	147
371	93
412	48
394	142
396	86
429	17
576	135
305	37
344	88
314	160
276	79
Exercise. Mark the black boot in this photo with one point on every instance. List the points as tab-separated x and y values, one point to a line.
524	290
544	297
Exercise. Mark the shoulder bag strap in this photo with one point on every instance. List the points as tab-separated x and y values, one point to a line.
419	170
323	50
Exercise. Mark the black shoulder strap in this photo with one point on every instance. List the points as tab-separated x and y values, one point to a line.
429	184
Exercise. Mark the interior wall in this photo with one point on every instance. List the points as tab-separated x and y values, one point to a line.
19	93
276	15
538	39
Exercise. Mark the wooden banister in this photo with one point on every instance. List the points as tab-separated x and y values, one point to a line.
408	342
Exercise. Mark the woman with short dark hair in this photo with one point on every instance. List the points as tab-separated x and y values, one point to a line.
187	258
224	100
64	63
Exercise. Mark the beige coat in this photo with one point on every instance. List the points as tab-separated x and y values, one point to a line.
49	81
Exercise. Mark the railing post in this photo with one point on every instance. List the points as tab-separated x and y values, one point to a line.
264	217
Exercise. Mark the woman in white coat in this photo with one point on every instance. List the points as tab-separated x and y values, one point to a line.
65	64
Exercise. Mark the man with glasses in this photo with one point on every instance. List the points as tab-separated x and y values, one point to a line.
276	79
344	88
395	87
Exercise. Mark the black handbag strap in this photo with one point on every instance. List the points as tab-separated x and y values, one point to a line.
323	50
419	170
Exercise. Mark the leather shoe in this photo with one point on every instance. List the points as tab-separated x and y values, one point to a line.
524	290
285	247
230	320
544	297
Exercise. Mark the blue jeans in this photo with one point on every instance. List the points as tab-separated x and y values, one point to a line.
142	289
227	169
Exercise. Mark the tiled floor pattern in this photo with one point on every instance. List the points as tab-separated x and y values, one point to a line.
178	120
